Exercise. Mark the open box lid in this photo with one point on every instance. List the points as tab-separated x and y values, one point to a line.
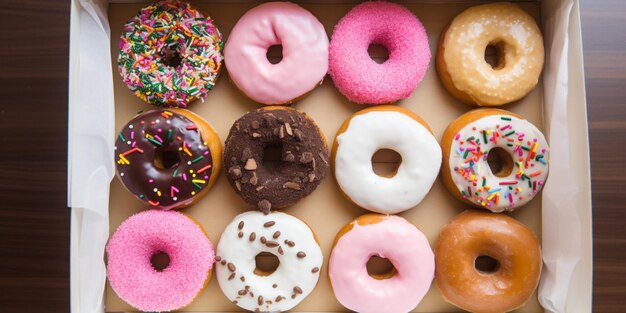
566	281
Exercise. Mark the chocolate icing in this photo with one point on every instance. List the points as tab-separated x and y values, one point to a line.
149	135
304	157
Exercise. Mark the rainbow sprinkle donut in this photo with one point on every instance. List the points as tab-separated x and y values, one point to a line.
170	54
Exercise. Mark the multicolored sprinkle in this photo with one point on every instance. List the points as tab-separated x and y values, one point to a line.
472	175
170	54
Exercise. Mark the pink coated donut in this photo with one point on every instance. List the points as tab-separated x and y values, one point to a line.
305	53
386	236
391	25
145	234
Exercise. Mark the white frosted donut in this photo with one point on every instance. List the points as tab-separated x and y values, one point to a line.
470	139
283	235
385	127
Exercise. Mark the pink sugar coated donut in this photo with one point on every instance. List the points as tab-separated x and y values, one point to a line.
391	25
142	235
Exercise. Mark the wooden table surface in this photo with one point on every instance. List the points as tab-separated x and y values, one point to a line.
34	219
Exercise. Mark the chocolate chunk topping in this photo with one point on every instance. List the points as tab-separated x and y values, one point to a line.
265	206
263	240
272	244
274	286
218	258
231	267
276	234
242	278
280	251
240	226
231	276
240	235
278	298
242	292
223	262
290	243
260	300
269	224
303	163
301	254
315	270
297	290
252	236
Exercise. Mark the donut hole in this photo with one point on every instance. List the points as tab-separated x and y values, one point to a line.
385	162
160	261
486	264
171	57
494	55
166	159
266	264
380	268
272	157
274	54
378	53
500	162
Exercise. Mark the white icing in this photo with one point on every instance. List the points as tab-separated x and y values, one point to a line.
293	271
519	126
370	132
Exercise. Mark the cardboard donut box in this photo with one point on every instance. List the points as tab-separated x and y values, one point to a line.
100	104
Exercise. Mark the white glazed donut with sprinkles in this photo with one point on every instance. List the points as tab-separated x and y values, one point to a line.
521	147
170	54
280	234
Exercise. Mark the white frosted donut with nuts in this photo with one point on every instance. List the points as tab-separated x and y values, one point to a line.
385	127
280	234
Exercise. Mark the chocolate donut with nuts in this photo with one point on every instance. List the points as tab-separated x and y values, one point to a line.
303	157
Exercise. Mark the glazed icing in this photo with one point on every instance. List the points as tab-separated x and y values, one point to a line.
465	43
305	52
144	234
283	235
153	37
391	25
472	175
139	142
372	131
403	245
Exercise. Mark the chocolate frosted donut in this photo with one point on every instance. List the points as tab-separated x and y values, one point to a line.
168	158
303	157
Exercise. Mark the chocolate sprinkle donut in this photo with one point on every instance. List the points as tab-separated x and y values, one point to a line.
303	157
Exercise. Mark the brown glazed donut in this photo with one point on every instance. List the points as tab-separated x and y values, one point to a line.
503	286
168	158
303	157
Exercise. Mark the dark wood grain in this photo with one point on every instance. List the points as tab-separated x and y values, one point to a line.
604	37
34	220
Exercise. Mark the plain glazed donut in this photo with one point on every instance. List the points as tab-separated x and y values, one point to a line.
390	237
513	246
170	54
461	54
521	147
391	25
303	161
168	158
145	234
385	127
304	47
284	236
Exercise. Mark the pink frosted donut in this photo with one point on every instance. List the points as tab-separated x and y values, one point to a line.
145	234
305	53
387	236
391	25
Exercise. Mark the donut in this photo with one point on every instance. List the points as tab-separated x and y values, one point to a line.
170	54
145	234
303	160
503	286
168	158
304	60
385	127
360	78
386	236
282	235
461	54
469	141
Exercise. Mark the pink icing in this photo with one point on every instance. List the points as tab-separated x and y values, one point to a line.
391	25
305	52
406	248
141	236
